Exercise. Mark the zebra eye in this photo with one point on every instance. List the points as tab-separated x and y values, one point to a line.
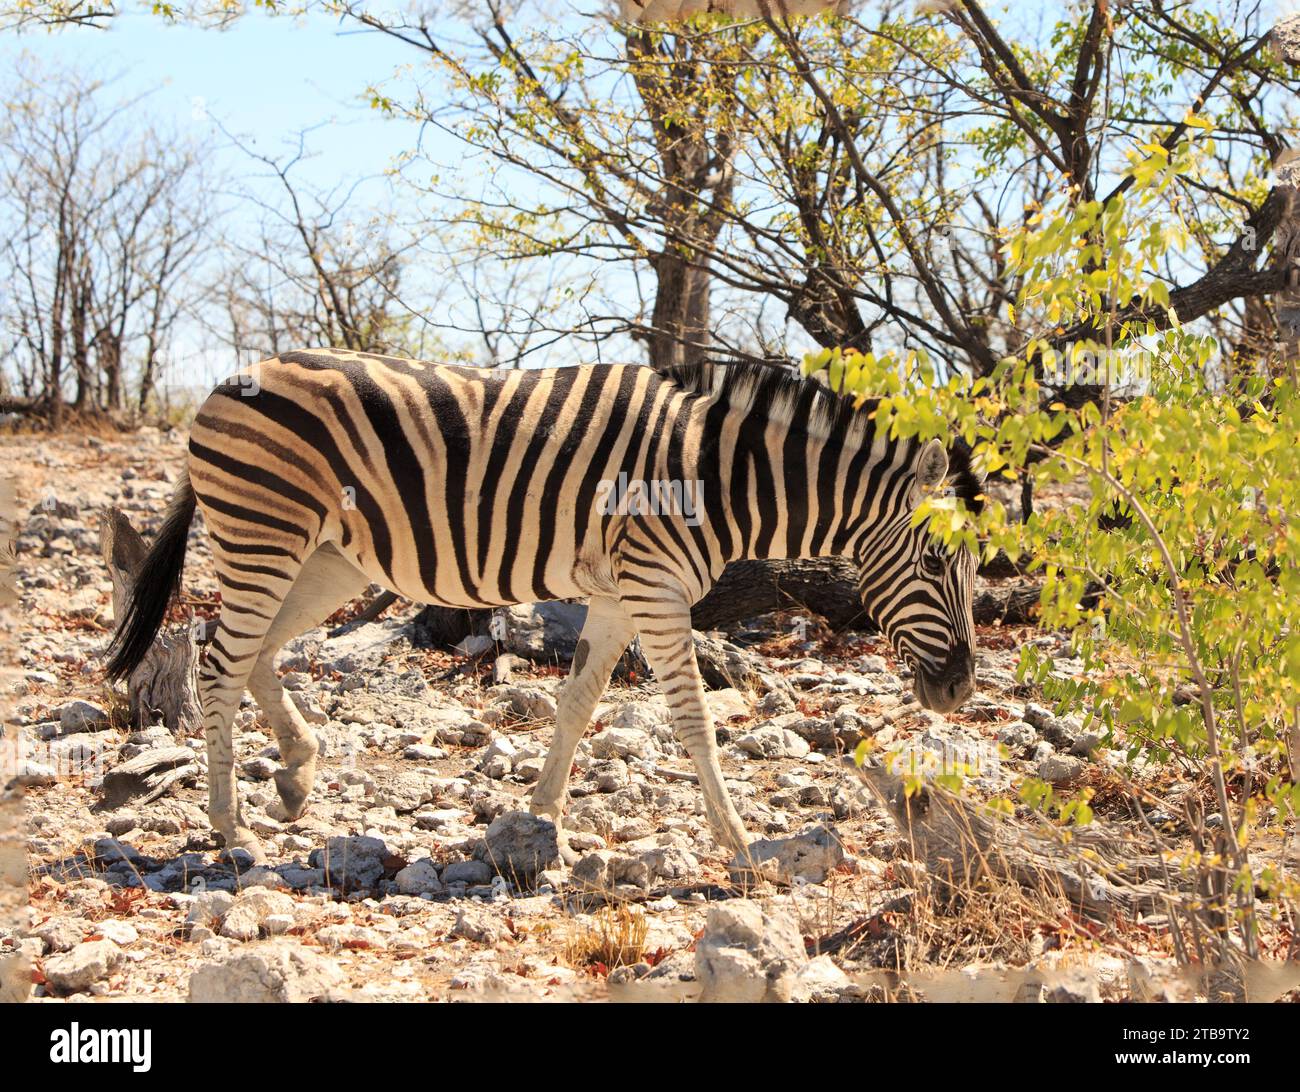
931	565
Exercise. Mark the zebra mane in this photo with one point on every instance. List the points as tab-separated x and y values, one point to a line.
786	397
963	478
778	392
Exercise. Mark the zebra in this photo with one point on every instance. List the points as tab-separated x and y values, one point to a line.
320	472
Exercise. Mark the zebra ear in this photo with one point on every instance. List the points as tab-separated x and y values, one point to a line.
931	466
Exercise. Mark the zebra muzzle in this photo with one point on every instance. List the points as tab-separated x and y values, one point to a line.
944	689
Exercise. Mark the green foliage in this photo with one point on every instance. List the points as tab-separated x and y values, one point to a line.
1191	466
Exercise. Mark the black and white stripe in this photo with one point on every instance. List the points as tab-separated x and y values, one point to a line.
320	472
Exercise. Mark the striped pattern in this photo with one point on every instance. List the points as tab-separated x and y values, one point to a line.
320	472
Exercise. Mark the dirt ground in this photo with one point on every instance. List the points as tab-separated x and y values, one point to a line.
396	884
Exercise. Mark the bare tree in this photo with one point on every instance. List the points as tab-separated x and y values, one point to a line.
318	268
783	183
102	223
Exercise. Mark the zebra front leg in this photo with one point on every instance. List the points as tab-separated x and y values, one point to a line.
605	635
665	631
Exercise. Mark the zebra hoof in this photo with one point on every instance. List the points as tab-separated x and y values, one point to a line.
243	849
293	794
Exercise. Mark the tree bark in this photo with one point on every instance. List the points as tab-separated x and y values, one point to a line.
824	586
165	686
693	160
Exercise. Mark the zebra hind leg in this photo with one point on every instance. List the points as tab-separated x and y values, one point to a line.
605	635
328	580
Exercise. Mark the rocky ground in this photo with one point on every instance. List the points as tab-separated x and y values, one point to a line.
416	873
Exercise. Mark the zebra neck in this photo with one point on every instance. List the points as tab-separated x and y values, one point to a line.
785	493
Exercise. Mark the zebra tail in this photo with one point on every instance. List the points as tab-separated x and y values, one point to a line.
158	580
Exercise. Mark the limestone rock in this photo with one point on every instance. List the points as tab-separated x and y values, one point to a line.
808	857
352	862
276	972
243	920
83	966
519	845
771	741
749	954
419	878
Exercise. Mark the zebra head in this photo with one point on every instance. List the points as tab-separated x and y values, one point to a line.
917	591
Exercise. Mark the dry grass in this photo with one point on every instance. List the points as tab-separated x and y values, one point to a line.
984	917
615	937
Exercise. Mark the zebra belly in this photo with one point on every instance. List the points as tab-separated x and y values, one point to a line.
448	590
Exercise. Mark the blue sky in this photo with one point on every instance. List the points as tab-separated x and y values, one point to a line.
264	80
263	77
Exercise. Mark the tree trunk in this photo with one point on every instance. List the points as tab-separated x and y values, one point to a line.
824	586
164	687
693	160
80	347
441	626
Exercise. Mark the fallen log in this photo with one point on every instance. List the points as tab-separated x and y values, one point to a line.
18	405
1103	869
148	776
164	688
826	587
368	613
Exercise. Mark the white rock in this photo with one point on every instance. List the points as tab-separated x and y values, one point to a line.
277	972
208	907
770	741
311	712
623	743
119	932
351	861
641	716
472	872
83	966
243	920
334	937
474	645
749	954
818	976
527	701
1017	735
60	934
83	716
1058	769
542	631
519	845
728	703
419	878
808	857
